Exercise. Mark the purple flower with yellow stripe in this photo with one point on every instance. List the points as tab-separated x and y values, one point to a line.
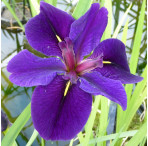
60	115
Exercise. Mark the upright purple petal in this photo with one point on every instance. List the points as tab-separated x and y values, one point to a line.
41	36
87	31
96	84
29	70
58	19
114	51
56	117
115	72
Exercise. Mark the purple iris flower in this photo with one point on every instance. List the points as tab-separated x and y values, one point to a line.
58	115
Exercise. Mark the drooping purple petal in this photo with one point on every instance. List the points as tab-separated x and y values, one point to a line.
96	84
114	51
87	31
58	19
56	117
29	70
115	72
41	36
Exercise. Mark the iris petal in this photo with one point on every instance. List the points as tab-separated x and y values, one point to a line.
29	70
115	72
87	31
41	36
114	51
56	117
96	84
58	19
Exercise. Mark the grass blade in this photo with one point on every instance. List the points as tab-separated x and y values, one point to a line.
103	118
91	119
119	109
80	136
124	35
15	129
35	7
136	47
121	22
111	136
81	7
14	15
42	142
117	137
33	137
138	137
107	33
52	2
71	143
137	40
136	100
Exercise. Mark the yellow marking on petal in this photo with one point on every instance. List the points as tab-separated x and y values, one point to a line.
106	62
67	87
59	39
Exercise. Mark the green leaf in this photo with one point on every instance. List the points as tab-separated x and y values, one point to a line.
42	142
117	137
80	137
33	137
136	47
52	2
81	7
15	129
102	3
14	15
71	142
121	22
119	109
107	33
138	137
111	136
35	7
124	35
103	118
90	122
136	100
125	117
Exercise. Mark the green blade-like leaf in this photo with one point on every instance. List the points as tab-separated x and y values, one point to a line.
137	40
14	15
107	33
117	137
121	22
103	118
124	35
42	142
119	109
139	95
71	143
102	3
136	48
136	101
15	129
80	136
138	137
111	136
81	7
89	126
52	2
33	137
35	7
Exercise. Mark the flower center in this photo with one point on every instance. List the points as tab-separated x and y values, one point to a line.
68	53
73	69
